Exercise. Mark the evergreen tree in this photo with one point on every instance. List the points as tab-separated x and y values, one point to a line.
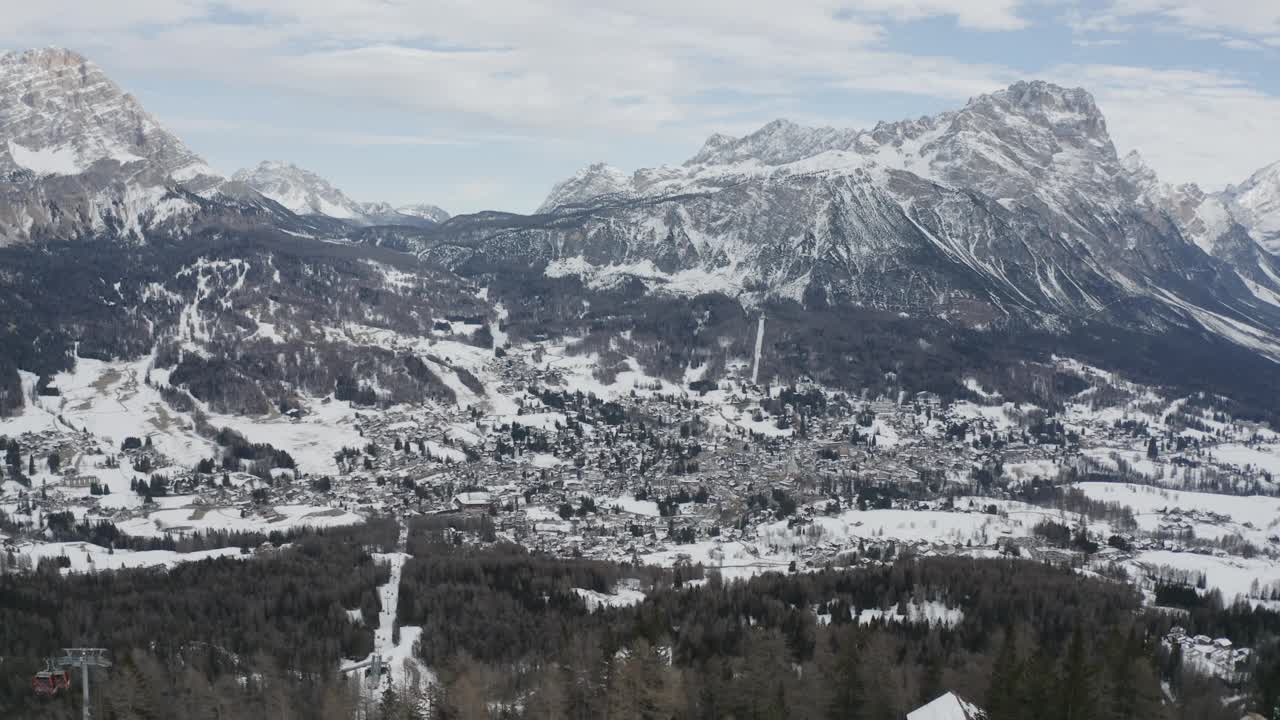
1078	693
1003	691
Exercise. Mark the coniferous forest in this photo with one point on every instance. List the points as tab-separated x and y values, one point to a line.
507	634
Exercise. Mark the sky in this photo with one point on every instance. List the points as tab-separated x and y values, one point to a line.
485	104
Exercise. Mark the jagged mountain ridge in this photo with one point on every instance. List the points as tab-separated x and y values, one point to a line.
974	147
81	158
1231	225
590	183
1255	204
118	241
1014	206
1012	210
307	193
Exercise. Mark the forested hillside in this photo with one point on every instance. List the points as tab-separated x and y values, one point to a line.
509	634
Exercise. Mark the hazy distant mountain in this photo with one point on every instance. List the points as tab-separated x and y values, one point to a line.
306	193
420	210
300	190
590	183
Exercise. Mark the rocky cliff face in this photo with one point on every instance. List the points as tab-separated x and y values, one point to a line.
81	157
61	115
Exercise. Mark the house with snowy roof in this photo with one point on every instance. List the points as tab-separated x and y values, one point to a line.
948	706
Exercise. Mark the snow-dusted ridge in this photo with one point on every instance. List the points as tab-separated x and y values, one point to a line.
305	193
1015	203
84	158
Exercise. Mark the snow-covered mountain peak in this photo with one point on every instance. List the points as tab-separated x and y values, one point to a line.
713	144
1256	202
60	114
425	211
1053	104
1032	138
779	142
1148	184
593	181
306	193
301	191
1223	224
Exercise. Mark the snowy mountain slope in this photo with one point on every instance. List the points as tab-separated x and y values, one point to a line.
306	193
1015	206
385	214
425	211
1255	203
301	191
1231	225
60	115
81	158
594	181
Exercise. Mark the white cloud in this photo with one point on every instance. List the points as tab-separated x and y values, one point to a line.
29	19
552	64
585	71
351	138
1238	24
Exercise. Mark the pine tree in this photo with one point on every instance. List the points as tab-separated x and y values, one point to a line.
1003	691
548	700
1079	687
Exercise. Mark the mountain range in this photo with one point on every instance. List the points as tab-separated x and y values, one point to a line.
306	193
82	158
1015	206
1014	213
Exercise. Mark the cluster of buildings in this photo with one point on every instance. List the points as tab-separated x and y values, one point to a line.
1210	656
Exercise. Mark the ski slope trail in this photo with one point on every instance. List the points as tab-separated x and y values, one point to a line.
401	670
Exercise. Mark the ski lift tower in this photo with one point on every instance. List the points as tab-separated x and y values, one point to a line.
84	658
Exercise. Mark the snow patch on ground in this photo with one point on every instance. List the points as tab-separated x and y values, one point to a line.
620	597
87	557
628	504
46	161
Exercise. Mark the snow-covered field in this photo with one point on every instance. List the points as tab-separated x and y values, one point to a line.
199	518
1265	458
1232	576
112	401
1252	517
628	504
934	526
620	597
86	557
